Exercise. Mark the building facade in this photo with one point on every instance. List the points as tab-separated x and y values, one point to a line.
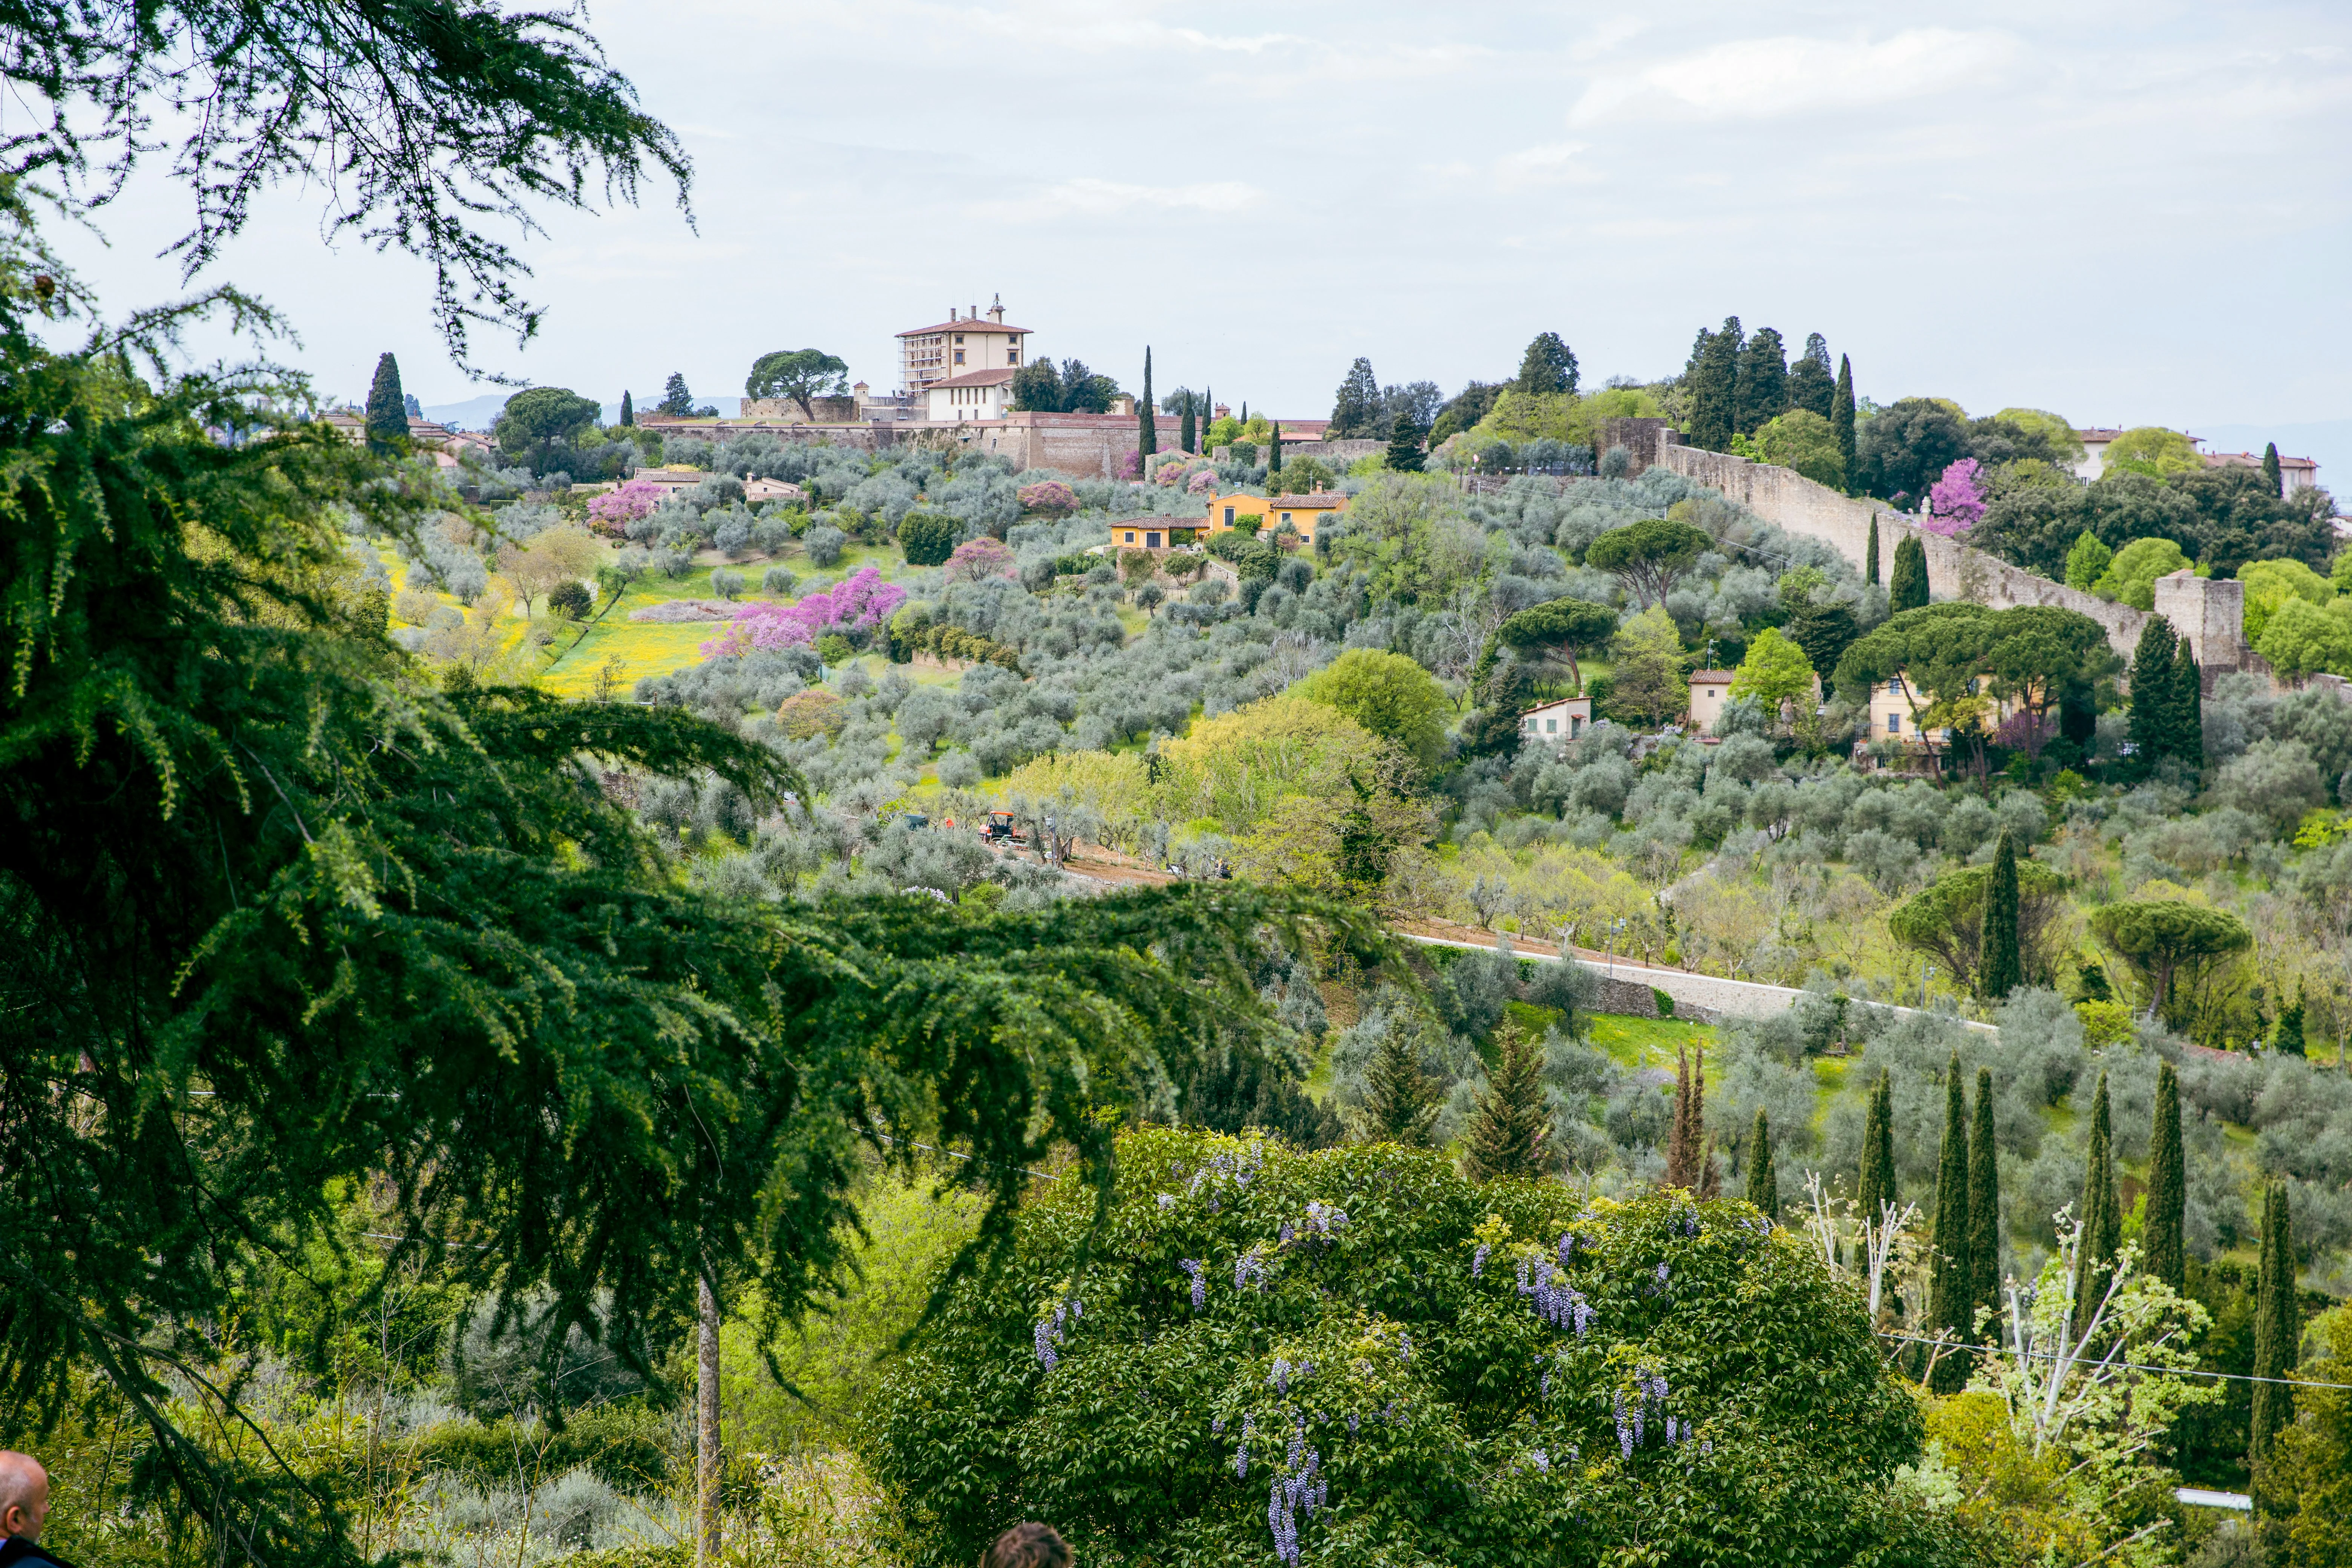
1301	514
959	346
1556	723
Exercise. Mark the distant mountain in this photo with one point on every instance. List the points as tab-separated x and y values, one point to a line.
479	413
2328	443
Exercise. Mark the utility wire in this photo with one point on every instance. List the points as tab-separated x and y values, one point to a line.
2136	1366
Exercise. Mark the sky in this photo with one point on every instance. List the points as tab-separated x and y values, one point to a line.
2127	214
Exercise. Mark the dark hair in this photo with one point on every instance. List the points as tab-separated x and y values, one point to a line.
1029	1545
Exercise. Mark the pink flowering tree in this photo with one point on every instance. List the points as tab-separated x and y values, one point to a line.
616	509
1131	466
1957	502
1203	483
977	558
858	603
1049	495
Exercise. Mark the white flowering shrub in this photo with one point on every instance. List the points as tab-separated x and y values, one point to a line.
1359	1356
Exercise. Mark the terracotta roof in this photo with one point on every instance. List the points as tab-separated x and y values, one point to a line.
971	378
1320	500
965	326
1711	676
2252	461
1555	702
1162	520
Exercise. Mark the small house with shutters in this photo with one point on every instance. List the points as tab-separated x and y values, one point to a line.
1710	691
1300	514
1556	723
1154	532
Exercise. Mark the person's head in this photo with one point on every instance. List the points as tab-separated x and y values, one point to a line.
25	1497
1029	1545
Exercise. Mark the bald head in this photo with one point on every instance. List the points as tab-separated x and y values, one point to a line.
23	1495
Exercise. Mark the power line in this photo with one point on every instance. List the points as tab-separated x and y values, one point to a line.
2136	1366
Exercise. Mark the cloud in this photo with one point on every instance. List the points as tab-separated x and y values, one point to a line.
1110	198
1765	78
1554	163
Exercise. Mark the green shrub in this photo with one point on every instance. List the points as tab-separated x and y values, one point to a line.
928	538
1666	1003
1384	1341
627	1447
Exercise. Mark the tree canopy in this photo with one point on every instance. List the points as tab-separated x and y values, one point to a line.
535	422
2158	936
1388	694
1364	1354
800	375
1649	557
430	120
1548	367
1567	624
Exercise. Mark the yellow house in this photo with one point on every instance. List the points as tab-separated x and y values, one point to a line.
1153	533
1301	514
1895	706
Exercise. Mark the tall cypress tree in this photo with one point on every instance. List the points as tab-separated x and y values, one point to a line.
2001	969
1188	430
2188	713
2271	469
1405	448
1870	554
2278	1325
1763	1183
1506	1135
1984	1199
1877	1186
1907	587
1841	420
1147	434
2288	1040
387	408
2102	1225
2168	1186
1951	1300
628	409
1274	460
1714	377
2151	691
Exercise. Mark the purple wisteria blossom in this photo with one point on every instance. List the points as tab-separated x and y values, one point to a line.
1567	1246
1192	1266
1166	1201
1241	1454
1324	1219
1295	1497
1625	1428
1479	1260
1404	1347
1247	1267
1542	1459
1279	1377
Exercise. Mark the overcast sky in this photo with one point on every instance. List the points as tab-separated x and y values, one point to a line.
2126	213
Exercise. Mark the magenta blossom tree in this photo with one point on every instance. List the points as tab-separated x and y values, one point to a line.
1203	483
858	603
613	510
1049	495
1956	502
977	558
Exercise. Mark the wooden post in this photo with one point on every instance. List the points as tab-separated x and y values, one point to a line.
706	1436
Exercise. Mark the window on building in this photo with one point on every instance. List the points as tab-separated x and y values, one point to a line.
1895	723
1286	517
1152	541
959	356
959	340
1575	726
1551	726
1130	537
1229	517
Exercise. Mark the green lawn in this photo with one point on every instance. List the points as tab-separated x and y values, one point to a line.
1636	1042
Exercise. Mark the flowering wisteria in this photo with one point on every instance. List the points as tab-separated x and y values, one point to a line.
1690	1222
1166	1201
1296	1496
1194	1267
1279	1377
1051	1333
1567	1246
1241	1454
1324	1220
1249	1266
1404	1347
1479	1260
1542	1459
1555	1301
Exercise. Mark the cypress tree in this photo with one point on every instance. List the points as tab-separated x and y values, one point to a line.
2187	710
1870	554
2001	969
1984	1200
1274	460
1506	1135
1906	586
1763	1184
1841	420
1714	377
1188	430
2288	1040
1951	1301
2167	1185
2271	469
2151	691
1208	413
1400	1102
1405	448
1762	386
2277	1325
1147	434
387	408
628	409
1877	1186
2102	1225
